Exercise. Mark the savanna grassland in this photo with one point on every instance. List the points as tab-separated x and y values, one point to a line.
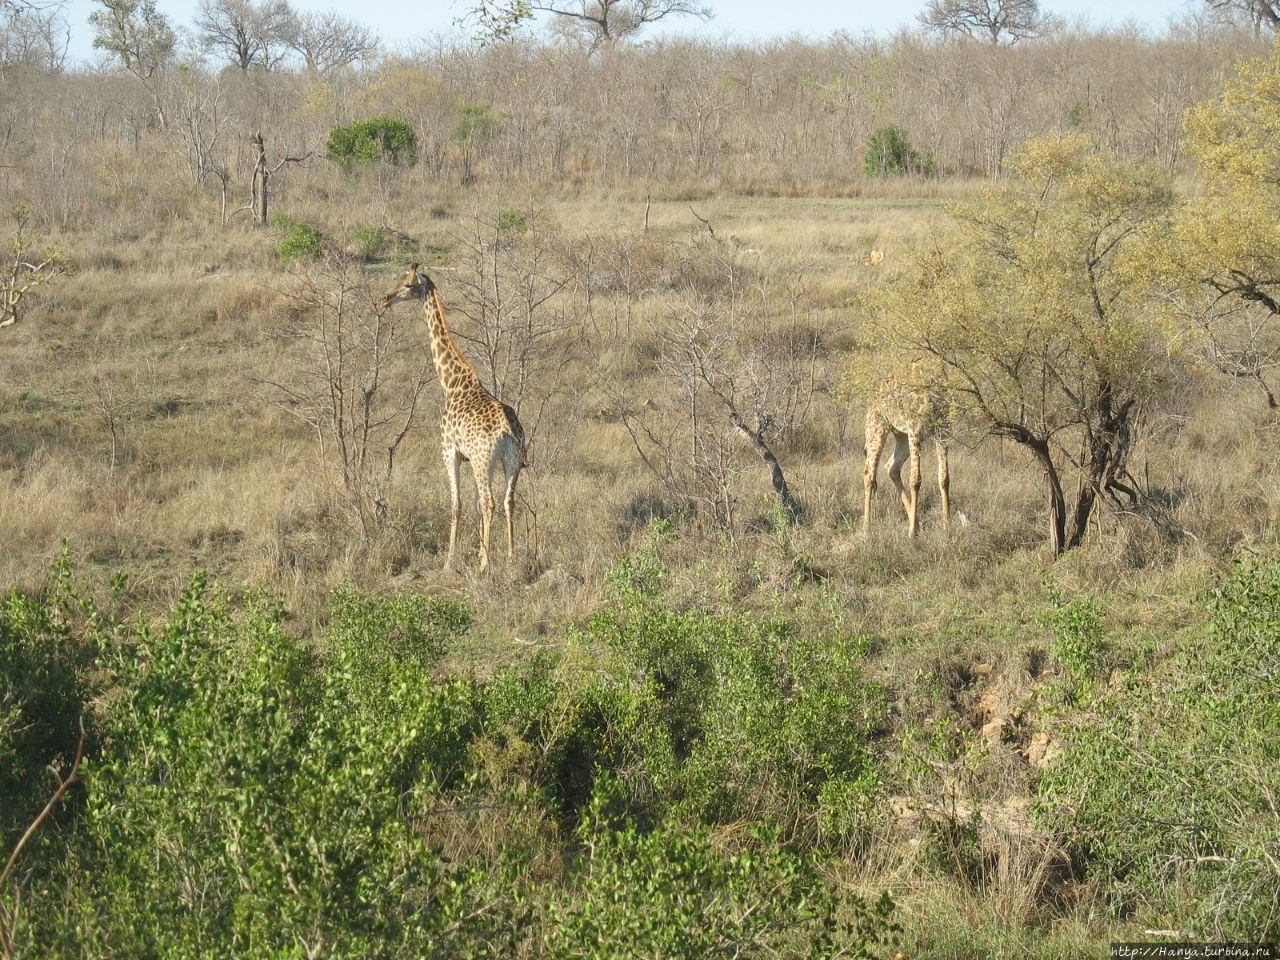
689	718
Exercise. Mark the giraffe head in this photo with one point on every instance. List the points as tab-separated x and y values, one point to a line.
412	285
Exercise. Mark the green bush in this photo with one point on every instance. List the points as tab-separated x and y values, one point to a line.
672	892
369	241
252	793
1166	788
1078	640
476	124
43	662
744	716
890	153
754	716
512	222
368	141
299	241
250	801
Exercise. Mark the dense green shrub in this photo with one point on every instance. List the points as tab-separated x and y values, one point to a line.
1167	784
299	241
672	892
251	802
368	241
368	141
476	124
252	793
890	153
710	719
1078	640
43	691
381	633
755	715
577	718
730	717
512	222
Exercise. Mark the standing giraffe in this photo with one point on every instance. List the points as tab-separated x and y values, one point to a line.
476	426
909	410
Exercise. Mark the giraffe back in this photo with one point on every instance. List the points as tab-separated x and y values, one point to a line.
911	401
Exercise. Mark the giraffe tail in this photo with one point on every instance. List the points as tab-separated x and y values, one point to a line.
517	432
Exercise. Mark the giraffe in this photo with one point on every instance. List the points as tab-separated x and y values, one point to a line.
476	426
905	407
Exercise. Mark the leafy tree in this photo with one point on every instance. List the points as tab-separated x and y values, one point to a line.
994	20
28	264
1220	262
599	22
136	32
1027	305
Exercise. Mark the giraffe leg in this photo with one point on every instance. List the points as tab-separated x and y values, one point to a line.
874	445
944	485
512	465
913	510
484	496
901	453
452	464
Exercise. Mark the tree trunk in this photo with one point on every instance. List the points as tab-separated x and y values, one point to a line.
1057	503
776	476
260	177
1104	462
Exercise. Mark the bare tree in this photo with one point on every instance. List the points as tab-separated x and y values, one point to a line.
737	384
247	33
358	385
506	285
748	381
262	174
329	41
993	20
599	22
200	119
1257	13
33	36
1239	338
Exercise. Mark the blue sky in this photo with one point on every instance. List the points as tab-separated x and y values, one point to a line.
744	20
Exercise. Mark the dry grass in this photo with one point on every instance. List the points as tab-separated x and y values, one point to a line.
129	408
130	413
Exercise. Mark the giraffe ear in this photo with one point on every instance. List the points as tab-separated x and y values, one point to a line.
413	268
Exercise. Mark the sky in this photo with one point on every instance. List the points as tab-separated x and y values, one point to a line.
740	20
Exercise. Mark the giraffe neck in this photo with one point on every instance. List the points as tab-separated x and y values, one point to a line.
451	367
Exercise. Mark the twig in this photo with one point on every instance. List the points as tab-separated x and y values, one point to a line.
64	784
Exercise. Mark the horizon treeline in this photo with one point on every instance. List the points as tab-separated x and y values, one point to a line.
674	118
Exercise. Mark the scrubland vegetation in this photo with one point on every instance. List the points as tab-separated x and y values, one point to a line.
694	717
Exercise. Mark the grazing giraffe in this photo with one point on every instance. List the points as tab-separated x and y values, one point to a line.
476	426
907	408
